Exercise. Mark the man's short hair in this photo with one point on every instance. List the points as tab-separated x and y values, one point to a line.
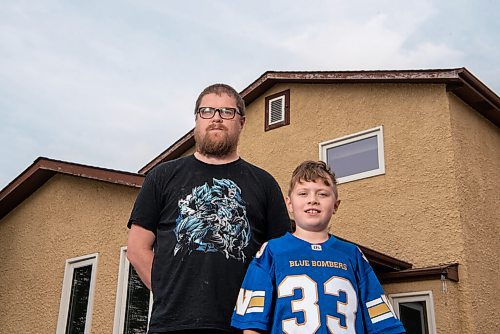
220	89
311	171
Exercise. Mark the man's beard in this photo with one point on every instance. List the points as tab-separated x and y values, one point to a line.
218	145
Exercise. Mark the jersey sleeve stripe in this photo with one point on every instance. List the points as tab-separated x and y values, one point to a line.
254	310
377	310
374	302
250	301
259	293
382	317
256	301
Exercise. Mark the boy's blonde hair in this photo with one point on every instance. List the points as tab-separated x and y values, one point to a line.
311	171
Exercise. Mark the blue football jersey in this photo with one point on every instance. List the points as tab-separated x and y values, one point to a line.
293	286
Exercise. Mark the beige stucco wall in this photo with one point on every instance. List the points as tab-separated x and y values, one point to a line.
67	217
477	171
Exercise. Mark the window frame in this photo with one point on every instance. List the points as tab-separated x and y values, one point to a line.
377	132
69	268
285	95
122	292
417	296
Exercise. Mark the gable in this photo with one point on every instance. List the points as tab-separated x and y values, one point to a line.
43	169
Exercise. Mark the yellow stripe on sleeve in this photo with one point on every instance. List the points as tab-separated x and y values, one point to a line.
257	301
377	310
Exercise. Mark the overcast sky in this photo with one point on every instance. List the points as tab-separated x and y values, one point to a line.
112	83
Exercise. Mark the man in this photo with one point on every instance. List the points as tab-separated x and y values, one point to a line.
198	221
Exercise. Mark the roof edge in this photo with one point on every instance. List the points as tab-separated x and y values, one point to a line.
381	260
43	169
479	86
173	152
439	272
270	78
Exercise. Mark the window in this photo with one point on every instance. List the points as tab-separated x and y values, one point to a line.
133	300
356	156
75	311
416	311
277	110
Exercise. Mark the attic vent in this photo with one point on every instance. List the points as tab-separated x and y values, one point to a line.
277	110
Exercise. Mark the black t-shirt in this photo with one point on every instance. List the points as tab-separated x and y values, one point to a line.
209	221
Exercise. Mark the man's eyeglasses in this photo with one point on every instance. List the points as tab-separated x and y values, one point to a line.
224	113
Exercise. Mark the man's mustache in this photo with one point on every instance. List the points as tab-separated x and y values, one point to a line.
216	127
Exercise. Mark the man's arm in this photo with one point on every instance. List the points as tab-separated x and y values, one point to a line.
140	252
251	331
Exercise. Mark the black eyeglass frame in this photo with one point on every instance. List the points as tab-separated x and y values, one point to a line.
234	111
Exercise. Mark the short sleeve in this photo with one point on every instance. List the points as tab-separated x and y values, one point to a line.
254	305
146	210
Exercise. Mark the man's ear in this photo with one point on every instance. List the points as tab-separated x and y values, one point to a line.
242	121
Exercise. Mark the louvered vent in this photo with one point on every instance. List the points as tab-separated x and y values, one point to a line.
277	110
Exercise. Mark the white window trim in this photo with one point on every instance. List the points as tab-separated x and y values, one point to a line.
71	265
419	296
121	294
282	119
377	132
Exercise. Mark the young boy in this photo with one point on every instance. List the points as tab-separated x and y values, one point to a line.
311	282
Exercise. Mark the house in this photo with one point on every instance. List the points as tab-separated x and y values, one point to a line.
417	154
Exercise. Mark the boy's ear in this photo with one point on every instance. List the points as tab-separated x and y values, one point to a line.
336	206
289	204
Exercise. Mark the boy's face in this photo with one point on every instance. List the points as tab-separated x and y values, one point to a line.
312	205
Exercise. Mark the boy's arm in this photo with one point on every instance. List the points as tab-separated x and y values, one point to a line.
251	331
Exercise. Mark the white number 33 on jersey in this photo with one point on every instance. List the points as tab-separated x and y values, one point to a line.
309	304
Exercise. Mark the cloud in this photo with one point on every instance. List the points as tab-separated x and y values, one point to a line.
376	41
